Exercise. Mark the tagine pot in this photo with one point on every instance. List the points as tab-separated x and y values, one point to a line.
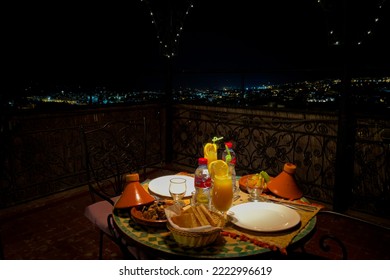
134	193
284	185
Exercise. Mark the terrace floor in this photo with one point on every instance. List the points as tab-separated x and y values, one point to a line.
54	228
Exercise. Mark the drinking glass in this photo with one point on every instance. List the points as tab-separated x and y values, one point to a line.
255	186
222	193
177	189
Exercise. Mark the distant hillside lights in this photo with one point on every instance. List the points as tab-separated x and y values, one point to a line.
49	99
325	93
367	81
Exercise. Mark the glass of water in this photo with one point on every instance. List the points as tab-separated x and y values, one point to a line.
177	189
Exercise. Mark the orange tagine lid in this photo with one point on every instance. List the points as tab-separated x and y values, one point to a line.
134	194
284	185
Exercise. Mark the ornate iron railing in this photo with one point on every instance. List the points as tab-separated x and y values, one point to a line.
264	140
371	185
42	153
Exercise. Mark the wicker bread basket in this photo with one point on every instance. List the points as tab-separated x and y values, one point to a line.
194	239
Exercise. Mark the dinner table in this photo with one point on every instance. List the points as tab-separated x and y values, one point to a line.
234	242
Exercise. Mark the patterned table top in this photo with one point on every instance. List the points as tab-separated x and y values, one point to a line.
225	246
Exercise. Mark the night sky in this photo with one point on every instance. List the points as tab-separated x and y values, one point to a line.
66	42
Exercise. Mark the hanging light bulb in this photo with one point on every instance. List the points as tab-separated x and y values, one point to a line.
370	32
167	36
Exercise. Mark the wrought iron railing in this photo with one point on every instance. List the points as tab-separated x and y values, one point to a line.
264	140
371	185
42	152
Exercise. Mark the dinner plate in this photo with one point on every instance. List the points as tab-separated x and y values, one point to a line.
160	185
264	216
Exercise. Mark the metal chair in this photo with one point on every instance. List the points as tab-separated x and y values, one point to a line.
111	152
340	236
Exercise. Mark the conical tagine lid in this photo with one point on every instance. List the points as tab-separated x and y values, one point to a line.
134	194
284	185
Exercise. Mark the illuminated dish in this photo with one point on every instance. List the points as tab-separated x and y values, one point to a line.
264	216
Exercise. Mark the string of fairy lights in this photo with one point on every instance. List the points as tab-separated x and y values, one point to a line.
333	16
169	25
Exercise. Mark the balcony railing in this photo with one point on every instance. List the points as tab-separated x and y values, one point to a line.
43	153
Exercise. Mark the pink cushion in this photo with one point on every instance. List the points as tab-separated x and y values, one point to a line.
98	212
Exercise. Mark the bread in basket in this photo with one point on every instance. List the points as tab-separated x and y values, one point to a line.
195	226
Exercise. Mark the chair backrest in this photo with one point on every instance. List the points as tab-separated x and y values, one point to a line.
111	151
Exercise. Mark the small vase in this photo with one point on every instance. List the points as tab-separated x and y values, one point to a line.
284	185
134	193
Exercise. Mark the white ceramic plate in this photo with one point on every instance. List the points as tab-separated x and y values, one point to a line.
264	216
160	185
